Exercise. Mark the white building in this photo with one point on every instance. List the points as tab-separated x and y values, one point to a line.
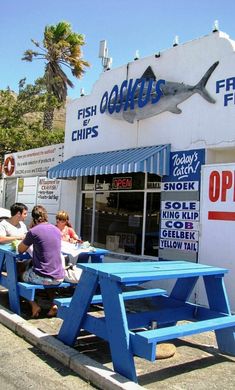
24	179
134	149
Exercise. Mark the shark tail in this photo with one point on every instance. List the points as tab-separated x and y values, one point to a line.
201	86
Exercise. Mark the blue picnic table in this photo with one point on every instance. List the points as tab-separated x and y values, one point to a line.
78	253
128	333
16	288
96	256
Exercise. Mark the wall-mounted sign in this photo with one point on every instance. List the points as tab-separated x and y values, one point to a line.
178	224
180	216
146	97
122	183
220	190
21	184
179	245
33	162
154	184
48	191
180	186
185	166
226	87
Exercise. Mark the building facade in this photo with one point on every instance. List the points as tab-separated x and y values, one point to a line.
24	179
135	148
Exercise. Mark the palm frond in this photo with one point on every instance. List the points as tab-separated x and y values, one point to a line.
61	48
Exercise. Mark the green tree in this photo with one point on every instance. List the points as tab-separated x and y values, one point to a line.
18	131
61	48
8	116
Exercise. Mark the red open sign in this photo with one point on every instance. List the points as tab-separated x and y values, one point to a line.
122	183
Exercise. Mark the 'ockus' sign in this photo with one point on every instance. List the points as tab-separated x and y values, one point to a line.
146	96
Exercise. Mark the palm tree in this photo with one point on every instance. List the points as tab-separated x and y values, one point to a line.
61	48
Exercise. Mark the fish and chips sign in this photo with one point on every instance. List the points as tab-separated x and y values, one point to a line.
33	162
140	98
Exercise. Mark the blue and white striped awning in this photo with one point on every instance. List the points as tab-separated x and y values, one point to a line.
151	159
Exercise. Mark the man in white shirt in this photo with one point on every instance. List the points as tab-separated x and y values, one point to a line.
14	228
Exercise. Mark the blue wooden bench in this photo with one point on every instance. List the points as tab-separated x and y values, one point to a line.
144	343
28	290
8	279
63	303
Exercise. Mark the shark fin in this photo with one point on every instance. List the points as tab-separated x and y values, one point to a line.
175	110
201	86
129	116
148	74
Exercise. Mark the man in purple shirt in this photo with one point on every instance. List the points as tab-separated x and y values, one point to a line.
47	266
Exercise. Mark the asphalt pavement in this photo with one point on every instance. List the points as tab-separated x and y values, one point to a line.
25	367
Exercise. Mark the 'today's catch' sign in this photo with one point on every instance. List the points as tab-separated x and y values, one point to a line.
180	211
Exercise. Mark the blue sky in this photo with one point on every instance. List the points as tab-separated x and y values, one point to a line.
128	25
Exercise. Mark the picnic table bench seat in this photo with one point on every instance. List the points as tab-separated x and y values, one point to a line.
63	303
144	343
28	290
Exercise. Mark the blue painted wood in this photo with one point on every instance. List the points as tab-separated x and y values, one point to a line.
96	256
144	342
163	317
10	279
183	288
173	332
127	295
13	292
78	308
216	293
96	326
142	272
218	301
28	290
2	258
117	328
28	286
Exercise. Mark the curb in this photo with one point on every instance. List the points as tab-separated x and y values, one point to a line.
86	367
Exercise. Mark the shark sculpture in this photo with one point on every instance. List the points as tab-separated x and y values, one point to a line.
171	94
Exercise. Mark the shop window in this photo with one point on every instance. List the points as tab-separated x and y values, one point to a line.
120	182
118	214
86	217
152	224
153	181
88	183
118	221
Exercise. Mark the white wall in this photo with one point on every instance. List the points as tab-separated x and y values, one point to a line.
39	190
69	200
1	192
26	193
217	243
200	125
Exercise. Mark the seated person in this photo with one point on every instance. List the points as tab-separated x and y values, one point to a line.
67	232
14	227
47	268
